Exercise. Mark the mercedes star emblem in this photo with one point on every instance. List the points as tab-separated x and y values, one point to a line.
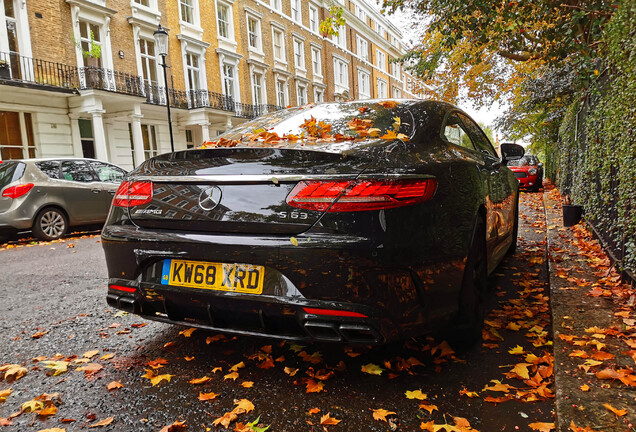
210	197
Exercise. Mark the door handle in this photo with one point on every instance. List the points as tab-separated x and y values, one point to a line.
95	191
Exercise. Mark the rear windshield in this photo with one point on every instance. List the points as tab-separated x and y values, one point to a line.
526	160
327	124
10	172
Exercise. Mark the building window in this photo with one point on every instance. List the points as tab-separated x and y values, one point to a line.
395	69
277	5
301	92
148	61
254	34
223	20
281	93
87	138
296	11
257	88
313	18
341	72
341	39
319	95
90	36
149	139
380	60
364	85
193	71
362	48
228	80
397	93
189	139
382	90
279	45
299	54
316	61
187	10
16	135
143	2
360	13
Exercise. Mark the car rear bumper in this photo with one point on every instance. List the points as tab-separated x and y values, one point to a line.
396	297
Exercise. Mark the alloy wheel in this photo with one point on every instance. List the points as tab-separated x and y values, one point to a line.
52	224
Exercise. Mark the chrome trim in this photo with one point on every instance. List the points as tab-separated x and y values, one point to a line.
281	178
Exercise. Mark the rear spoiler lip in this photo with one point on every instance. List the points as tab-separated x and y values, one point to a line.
274	178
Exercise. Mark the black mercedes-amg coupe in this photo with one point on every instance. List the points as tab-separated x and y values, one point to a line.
359	222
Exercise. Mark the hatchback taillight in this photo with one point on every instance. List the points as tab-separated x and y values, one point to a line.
17	191
360	195
130	194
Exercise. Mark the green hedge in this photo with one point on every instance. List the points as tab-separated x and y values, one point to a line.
594	159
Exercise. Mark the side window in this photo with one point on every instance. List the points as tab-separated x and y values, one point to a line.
50	168
453	131
108	173
78	171
478	136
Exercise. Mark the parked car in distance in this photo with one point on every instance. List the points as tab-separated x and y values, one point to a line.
359	222
529	172
49	195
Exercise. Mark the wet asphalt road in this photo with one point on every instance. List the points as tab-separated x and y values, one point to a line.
59	288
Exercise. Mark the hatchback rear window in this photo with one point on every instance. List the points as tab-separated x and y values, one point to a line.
10	172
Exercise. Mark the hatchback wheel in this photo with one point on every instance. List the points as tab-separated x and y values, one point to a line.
50	224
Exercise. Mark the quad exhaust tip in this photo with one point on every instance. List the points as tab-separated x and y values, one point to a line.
335	332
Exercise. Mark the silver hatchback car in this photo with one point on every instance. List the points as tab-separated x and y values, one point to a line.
50	195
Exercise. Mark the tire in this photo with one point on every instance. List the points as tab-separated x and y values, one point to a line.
465	331
50	224
515	230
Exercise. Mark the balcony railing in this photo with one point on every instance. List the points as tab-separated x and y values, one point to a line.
35	72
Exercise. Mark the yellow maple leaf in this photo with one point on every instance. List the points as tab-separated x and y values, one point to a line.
114	385
618	412
585	387
521	369
389	135
217	369
187	332
513	326
101	423
157	379
289	371
201	380
380	414
247	384
542	427
328	420
107	356
207	396
4	394
32	405
244	405
372	369
48	411
90	354
428	407
237	366
314	387
58	367
232	376
516	350
13	372
415	394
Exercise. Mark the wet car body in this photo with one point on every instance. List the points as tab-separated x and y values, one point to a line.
49	195
355	276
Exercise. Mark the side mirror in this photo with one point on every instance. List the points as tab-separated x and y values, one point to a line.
510	152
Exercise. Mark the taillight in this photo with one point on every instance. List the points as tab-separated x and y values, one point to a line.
122	288
17	191
360	195
332	312
130	194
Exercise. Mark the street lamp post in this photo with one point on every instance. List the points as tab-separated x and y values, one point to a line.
161	43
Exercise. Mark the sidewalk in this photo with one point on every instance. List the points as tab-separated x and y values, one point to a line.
594	324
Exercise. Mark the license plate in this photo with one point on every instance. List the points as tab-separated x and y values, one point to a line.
244	278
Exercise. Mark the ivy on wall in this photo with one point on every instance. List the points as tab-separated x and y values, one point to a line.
594	158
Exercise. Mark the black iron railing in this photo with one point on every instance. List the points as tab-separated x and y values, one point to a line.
17	68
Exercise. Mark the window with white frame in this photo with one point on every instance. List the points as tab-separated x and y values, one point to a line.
397	93
319	94
341	39
193	71
316	61
395	69
149	138
301	93
380	60
382	89
299	54
228	80
143	2
257	88
16	135
341	72
362	48
360	13
278	40
313	18
281	93
148	61
187	10
90	37
277	4
254	38
364	84
296	11
224	21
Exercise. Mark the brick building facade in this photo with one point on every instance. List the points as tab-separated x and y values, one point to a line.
83	78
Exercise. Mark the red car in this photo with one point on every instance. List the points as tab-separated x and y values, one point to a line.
529	172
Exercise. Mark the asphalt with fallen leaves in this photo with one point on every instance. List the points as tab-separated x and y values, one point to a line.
59	336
